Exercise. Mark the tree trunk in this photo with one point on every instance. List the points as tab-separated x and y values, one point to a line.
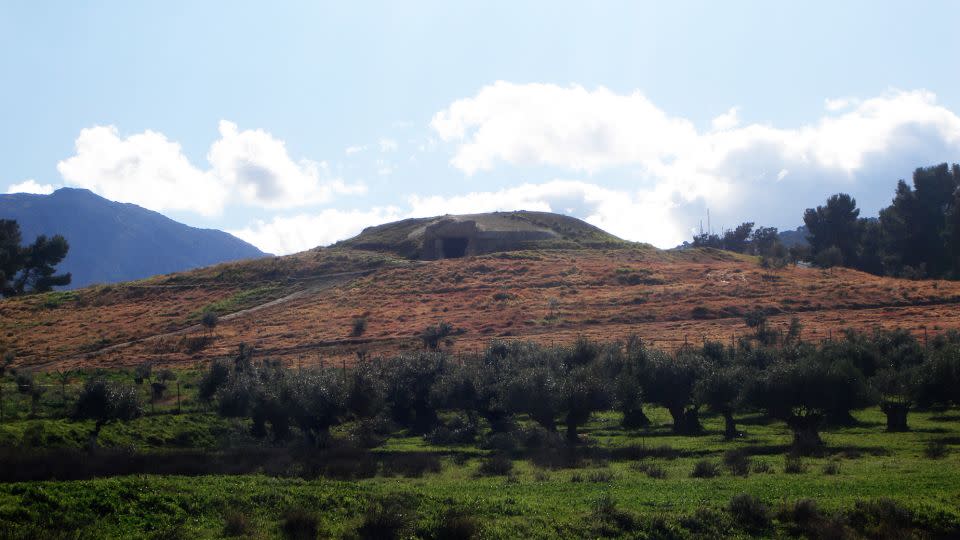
94	435
685	422
730	426
806	433
572	437
635	418
896	416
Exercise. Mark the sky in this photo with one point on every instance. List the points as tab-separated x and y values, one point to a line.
297	124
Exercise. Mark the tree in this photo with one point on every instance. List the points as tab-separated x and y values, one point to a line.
720	389
835	225
104	402
670	383
32	268
803	388
433	335
209	320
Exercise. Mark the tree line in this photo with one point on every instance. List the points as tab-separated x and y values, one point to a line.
916	236
808	386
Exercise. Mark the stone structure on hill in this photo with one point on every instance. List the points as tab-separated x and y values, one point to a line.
460	236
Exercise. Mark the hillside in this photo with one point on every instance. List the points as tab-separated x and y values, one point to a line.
113	242
301	308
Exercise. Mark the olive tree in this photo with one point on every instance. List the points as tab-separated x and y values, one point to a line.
671	382
104	402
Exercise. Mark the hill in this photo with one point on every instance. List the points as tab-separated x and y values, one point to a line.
302	307
113	242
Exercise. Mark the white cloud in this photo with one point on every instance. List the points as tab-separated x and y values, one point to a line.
31	186
145	168
259	168
356	149
282	235
727	120
544	124
639	216
750	172
250	166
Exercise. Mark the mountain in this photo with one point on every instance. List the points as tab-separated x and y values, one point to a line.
112	242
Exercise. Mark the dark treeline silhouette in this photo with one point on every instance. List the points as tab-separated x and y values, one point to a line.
917	236
29	268
808	386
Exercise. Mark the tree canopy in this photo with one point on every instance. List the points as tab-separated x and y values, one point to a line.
30	268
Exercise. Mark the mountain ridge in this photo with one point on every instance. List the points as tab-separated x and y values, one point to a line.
113	242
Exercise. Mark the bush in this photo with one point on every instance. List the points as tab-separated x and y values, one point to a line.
936	450
750	513
411	464
881	518
793	464
237	523
610	520
738	462
457	524
299	524
651	470
708	522
601	477
705	469
761	467
359	326
498	465
387	518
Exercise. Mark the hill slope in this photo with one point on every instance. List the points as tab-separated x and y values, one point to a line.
112	242
301	308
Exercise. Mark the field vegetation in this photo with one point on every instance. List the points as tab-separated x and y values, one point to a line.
854	437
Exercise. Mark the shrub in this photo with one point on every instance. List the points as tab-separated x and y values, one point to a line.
610	521
601	477
881	518
236	523
299	524
705	469
359	326
457	524
936	450
498	465
209	320
387	518
651	470
412	464
761	467
793	464
738	462
750	513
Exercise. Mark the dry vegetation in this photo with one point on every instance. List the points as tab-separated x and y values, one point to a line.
305	305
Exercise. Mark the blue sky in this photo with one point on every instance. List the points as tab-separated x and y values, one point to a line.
296	124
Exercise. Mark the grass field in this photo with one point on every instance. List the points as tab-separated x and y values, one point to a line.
607	491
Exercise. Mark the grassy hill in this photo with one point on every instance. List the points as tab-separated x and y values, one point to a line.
302	307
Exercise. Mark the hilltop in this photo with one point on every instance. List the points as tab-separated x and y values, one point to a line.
578	280
113	242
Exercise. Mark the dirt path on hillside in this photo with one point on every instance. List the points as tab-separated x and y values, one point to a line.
316	285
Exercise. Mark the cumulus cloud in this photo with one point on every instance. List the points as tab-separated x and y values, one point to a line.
741	172
289	234
249	166
727	120
31	186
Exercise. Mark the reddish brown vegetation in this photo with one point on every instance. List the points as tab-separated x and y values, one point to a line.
547	296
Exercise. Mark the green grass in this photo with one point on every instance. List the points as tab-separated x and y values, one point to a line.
531	502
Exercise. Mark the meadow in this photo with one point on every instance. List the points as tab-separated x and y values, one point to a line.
616	483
